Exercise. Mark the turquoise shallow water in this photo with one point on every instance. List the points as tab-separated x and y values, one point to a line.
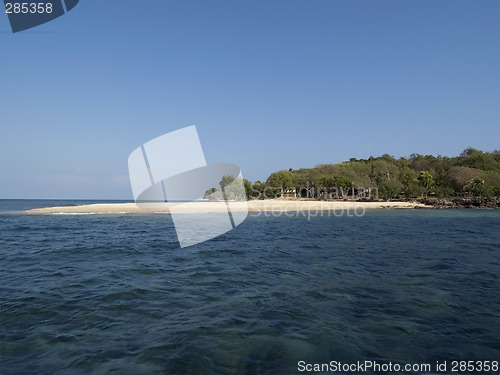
114	294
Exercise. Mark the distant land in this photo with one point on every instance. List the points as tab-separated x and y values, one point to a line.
470	179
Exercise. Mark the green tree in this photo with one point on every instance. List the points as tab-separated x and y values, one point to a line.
281	179
458	177
475	186
248	188
443	191
407	176
233	188
226	180
333	181
342	182
209	192
473	158
426	181
263	191
413	190
389	189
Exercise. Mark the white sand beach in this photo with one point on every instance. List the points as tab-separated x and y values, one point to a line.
275	205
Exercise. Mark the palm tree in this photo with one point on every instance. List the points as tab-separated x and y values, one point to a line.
426	181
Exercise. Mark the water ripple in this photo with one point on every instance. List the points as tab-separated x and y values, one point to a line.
115	294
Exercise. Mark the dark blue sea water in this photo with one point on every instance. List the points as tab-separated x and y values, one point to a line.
114	294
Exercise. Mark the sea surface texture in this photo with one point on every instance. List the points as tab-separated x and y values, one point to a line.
115	294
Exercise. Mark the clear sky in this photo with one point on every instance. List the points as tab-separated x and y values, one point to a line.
269	84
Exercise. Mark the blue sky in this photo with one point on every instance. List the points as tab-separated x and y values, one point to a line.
269	84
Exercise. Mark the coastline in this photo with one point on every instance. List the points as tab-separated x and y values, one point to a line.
201	207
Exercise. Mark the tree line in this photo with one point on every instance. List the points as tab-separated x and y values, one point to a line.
473	173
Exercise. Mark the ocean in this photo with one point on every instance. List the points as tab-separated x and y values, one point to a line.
115	294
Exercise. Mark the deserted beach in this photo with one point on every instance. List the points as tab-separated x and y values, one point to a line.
275	205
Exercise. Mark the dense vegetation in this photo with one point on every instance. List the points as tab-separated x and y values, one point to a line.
472	174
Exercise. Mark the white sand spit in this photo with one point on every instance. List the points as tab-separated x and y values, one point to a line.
253	206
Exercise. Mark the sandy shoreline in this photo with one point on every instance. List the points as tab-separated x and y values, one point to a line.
252	206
